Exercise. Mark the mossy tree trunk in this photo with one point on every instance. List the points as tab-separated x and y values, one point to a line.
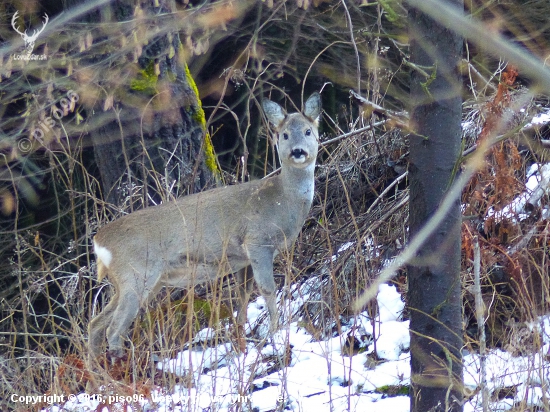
148	125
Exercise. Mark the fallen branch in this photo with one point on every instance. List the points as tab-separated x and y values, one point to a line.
400	120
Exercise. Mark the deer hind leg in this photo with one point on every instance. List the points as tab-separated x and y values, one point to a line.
98	325
133	291
261	261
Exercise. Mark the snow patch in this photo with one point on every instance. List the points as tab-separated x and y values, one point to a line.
321	376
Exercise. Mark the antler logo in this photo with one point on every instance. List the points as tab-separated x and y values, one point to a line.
28	39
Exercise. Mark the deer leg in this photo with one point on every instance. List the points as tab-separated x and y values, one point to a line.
98	325
271	301
261	261
123	317
133	291
244	290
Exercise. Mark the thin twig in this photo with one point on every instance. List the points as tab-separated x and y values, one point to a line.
400	120
387	189
522	244
348	17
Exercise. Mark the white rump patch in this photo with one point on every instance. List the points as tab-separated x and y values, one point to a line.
103	254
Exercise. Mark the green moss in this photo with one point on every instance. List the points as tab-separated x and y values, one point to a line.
202	307
146	80
204	312
393	390
199	116
210	156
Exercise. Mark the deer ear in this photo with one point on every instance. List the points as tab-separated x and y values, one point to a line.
313	107
274	113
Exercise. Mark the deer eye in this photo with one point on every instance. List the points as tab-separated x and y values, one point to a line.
308	132
285	136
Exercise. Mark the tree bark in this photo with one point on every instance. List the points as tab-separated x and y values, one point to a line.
151	138
434	277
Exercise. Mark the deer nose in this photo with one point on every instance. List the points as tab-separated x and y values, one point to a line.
298	153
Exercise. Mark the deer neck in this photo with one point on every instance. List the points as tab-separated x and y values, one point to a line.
299	183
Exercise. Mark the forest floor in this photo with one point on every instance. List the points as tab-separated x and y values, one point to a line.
356	370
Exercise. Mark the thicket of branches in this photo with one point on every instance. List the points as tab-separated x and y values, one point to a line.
239	52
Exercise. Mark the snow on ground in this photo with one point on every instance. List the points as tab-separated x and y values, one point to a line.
539	120
320	375
537	185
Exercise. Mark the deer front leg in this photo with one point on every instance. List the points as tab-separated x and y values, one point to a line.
244	290
261	261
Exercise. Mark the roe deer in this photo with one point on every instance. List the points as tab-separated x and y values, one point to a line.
207	235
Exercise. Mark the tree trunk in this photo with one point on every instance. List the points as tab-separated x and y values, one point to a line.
151	139
434	277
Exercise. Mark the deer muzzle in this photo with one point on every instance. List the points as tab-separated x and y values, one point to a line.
299	155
